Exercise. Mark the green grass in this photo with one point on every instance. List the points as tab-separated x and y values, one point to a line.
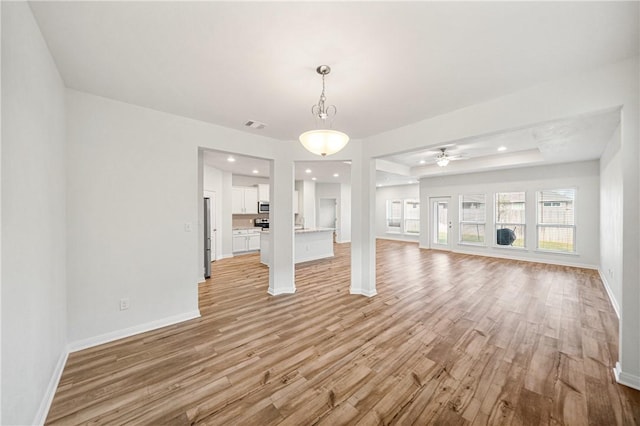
556	246
472	238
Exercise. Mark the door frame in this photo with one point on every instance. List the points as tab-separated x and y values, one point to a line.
211	195
432	223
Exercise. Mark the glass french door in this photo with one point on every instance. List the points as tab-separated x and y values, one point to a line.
440	223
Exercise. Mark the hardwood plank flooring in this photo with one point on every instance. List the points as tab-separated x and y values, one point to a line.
450	339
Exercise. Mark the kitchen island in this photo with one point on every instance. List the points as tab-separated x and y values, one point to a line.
310	244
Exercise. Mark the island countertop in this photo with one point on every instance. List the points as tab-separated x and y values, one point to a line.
305	230
309	244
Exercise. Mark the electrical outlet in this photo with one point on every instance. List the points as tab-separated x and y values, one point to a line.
124	303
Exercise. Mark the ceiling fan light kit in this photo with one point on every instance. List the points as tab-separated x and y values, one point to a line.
442	159
324	140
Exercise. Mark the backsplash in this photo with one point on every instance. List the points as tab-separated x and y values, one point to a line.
238	220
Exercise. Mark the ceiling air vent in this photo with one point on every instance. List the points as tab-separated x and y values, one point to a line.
255	124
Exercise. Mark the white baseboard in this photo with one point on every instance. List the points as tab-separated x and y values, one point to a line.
613	300
224	256
202	280
362	292
137	329
625	378
392	238
279	292
47	399
527	259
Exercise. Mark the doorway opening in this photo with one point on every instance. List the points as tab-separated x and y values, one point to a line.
440	237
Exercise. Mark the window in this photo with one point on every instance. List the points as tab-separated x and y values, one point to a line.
394	216
472	218
411	217
403	216
510	219
556	227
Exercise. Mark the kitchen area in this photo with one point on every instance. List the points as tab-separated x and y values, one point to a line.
240	189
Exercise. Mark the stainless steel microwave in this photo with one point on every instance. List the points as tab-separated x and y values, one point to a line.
263	207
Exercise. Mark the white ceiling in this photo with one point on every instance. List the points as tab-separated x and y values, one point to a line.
561	141
323	171
393	63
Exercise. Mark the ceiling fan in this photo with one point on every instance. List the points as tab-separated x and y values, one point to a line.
442	159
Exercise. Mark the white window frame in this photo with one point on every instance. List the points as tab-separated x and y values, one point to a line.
404	216
462	222
560	226
388	218
510	225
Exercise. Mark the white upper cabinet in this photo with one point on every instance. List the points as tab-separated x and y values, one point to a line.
263	192
244	200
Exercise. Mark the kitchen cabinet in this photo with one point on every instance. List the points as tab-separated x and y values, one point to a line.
244	200
263	192
246	240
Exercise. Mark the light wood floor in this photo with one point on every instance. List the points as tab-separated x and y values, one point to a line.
449	339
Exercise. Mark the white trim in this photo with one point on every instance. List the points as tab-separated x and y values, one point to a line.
607	287
137	329
47	399
224	256
278	293
404	240
202	280
525	259
625	378
362	292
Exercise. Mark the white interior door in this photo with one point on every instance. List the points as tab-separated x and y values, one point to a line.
440	224
212	218
327	213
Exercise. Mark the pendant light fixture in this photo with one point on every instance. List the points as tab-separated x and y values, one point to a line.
323	141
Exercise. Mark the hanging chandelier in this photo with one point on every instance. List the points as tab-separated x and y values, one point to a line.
324	140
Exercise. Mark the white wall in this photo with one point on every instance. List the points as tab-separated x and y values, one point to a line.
33	219
345	214
342	194
132	188
396	192
584	176
309	203
611	201
213	181
241	180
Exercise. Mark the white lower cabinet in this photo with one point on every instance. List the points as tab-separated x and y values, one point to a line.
246	240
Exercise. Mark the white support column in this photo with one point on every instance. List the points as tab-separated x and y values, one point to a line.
363	242
627	369
281	229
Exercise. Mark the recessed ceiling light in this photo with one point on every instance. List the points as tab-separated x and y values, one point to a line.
335	175
423	161
308	171
379	185
231	159
502	148
313	178
347	162
255	171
